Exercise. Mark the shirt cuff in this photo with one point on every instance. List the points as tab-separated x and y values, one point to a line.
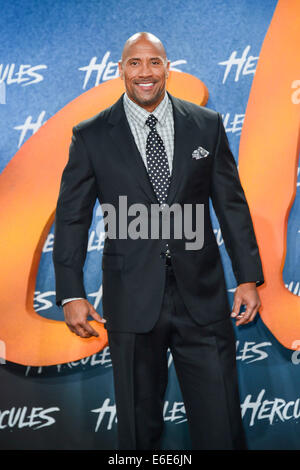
65	301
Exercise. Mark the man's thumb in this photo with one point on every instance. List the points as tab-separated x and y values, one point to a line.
96	315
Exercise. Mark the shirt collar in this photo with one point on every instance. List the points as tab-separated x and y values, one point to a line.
140	114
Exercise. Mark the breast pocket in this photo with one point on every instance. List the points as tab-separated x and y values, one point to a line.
112	262
200	168
202	161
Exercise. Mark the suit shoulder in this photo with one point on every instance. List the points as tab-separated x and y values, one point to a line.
197	110
93	122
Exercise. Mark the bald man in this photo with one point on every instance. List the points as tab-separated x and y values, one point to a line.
157	150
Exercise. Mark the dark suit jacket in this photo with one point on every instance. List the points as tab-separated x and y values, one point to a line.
105	163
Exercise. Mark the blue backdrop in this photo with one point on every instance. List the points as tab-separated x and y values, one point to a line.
53	51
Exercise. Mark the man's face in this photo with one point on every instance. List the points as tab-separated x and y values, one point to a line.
144	70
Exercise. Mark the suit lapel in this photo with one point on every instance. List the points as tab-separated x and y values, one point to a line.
122	136
183	131
124	140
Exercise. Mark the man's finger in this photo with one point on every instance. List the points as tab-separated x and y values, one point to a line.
89	329
236	306
247	316
79	331
253	314
96	316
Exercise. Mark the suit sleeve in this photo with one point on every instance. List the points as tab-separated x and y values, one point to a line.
233	213
74	211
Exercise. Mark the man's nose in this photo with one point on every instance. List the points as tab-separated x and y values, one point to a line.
145	69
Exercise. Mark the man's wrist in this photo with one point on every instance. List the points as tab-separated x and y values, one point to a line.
256	283
65	301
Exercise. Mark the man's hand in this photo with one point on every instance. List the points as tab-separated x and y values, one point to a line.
76	313
245	294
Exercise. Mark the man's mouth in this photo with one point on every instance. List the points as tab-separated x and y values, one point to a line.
146	86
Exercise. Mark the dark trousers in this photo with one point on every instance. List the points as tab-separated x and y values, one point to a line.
204	360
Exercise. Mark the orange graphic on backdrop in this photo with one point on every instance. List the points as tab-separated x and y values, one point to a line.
268	159
29	188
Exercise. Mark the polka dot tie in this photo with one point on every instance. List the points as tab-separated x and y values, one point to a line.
157	163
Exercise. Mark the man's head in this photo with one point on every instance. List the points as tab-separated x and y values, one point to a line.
144	67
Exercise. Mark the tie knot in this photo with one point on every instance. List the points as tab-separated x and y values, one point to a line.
151	121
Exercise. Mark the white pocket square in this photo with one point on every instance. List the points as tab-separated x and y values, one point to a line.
200	152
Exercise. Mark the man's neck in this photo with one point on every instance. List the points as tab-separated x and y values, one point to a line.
149	108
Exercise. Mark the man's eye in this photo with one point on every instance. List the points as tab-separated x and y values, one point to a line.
155	62
134	62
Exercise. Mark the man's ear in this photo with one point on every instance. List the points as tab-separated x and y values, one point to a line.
120	69
168	68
